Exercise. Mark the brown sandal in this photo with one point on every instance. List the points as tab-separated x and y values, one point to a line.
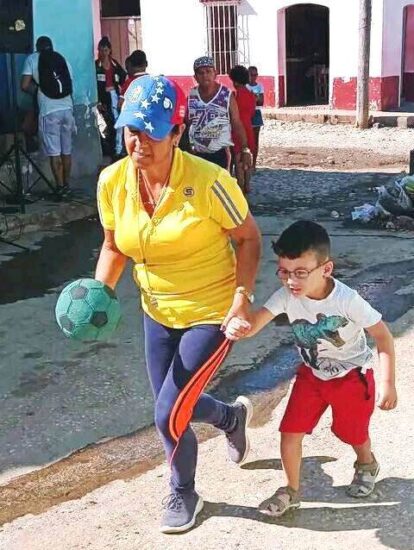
278	504
364	479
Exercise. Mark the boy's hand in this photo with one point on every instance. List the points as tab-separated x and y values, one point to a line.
237	328
387	398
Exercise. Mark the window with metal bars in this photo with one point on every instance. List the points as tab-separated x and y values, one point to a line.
222	33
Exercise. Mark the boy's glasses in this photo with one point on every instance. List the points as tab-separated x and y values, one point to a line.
300	274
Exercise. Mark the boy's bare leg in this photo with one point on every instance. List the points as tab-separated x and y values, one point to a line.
291	453
364	452
286	498
256	131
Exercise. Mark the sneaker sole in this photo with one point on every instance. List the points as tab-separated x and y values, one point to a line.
180	529
249	408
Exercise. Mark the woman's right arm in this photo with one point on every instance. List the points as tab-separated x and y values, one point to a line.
111	262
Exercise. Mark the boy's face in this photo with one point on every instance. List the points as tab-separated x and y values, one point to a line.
253	76
306	275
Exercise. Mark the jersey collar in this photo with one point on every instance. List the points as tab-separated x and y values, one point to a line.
176	177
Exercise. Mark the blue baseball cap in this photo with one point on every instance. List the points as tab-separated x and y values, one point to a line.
154	105
204	61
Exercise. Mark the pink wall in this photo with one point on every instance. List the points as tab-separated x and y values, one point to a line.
96	14
281	34
409	41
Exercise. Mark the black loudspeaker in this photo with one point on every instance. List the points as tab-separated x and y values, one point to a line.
16	26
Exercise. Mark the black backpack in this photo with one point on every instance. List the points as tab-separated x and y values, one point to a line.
54	77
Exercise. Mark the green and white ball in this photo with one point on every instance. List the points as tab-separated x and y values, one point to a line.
88	310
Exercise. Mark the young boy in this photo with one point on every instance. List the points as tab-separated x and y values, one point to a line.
328	320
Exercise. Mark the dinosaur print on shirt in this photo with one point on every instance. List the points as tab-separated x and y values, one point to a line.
308	335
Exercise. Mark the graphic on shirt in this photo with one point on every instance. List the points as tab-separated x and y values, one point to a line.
309	335
210	123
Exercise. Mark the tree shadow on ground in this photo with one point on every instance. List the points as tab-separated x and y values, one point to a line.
389	510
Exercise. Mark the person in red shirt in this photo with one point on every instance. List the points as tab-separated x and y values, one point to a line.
246	103
136	65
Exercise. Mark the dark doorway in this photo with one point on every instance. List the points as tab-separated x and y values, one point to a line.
307	55
120	8
407	76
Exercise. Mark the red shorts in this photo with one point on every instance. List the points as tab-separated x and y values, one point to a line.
352	399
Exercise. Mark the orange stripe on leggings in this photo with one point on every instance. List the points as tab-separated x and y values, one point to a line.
189	395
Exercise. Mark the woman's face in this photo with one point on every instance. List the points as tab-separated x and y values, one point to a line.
104	52
145	151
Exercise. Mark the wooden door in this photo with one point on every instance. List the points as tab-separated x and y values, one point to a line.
124	34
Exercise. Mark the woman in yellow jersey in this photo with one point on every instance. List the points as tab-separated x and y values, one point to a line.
175	215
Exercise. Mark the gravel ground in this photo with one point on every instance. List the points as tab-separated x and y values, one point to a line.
392	141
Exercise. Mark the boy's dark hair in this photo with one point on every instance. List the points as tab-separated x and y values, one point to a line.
44	43
239	74
138	59
300	237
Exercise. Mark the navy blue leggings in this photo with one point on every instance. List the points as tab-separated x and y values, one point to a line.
180	363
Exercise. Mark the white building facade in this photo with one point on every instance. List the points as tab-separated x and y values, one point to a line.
306	52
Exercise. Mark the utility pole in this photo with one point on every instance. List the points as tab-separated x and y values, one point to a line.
365	16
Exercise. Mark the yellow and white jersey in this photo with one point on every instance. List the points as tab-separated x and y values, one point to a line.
184	260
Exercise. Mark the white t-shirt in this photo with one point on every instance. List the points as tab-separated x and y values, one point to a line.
47	105
329	333
256	90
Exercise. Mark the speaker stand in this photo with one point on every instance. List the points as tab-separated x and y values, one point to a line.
16	150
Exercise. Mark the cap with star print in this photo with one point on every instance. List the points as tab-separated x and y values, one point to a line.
154	105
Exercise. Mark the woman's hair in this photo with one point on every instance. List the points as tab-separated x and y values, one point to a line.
303	236
239	74
104	43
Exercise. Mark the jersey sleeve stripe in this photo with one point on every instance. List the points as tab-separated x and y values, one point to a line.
227	202
229	212
98	191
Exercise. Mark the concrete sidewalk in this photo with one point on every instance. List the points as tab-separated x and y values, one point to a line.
45	212
323	114
124	515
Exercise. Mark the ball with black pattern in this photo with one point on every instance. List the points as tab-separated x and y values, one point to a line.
88	310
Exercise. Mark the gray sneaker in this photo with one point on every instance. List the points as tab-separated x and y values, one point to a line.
238	444
181	511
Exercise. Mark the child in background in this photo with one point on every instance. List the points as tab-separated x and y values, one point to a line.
257	122
136	65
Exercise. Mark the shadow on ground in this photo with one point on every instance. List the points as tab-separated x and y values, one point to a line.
389	510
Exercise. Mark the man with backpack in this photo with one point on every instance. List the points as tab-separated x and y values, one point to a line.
47	74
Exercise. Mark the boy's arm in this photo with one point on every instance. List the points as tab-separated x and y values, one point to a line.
260	319
386	353
238	328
